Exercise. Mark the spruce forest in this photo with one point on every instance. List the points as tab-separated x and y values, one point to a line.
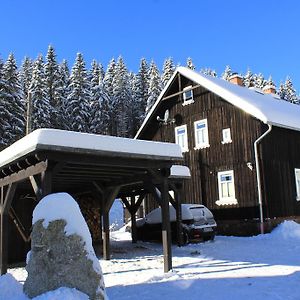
111	102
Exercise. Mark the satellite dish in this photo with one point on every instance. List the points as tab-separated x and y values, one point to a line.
166	116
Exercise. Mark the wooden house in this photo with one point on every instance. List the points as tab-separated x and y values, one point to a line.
241	144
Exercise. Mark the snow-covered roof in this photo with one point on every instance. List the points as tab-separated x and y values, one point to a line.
76	142
180	172
264	107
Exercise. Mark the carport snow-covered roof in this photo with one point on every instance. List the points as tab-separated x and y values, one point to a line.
76	142
264	107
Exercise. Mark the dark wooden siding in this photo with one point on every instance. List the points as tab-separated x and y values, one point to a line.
206	163
281	155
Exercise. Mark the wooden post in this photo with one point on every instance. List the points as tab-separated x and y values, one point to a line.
46	183
6	200
3	243
105	236
178	197
109	196
100	221
133	221
166	227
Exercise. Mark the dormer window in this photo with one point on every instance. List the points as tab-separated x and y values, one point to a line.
188	96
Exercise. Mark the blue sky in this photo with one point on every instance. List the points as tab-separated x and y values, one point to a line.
262	35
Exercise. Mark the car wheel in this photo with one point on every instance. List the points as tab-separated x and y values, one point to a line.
186	238
209	238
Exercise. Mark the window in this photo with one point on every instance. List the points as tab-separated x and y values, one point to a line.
226	135
297	178
226	188
181	137
201	134
188	96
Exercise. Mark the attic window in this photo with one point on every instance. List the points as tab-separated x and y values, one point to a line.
188	96
226	135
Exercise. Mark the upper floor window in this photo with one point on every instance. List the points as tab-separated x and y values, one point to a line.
181	137
188	96
226	188
297	178
201	134
226	135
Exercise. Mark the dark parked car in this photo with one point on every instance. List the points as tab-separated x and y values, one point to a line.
197	221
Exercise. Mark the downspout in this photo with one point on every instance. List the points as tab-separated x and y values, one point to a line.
258	177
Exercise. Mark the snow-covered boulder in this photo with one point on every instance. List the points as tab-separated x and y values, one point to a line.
61	250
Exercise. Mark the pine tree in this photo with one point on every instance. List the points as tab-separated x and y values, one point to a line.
209	72
168	70
140	86
79	97
122	95
227	73
189	63
259	81
25	76
63	91
290	91
96	98
248	79
13	94
52	89
5	115
101	73
282	92
39	98
108	98
132	109
155	86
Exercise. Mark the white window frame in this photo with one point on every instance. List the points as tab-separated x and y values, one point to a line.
297	182
189	100
231	200
184	147
205	142
226	136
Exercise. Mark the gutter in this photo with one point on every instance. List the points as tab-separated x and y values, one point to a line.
258	177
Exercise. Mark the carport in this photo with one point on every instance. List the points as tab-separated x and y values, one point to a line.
49	160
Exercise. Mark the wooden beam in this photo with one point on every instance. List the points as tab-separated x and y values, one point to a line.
166	226
109	197
139	202
23	174
125	163
153	190
21	229
98	187
127	204
10	193
35	185
180	93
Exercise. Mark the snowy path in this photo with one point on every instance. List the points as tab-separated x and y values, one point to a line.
260	268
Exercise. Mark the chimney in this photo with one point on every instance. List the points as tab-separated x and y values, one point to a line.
269	89
236	79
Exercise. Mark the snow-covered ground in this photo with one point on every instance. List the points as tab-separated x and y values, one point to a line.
235	268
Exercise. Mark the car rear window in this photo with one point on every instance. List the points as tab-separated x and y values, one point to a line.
200	212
